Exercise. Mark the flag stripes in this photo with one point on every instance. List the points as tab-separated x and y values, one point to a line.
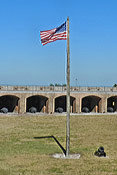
58	33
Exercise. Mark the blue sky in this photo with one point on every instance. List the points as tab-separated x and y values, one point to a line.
93	42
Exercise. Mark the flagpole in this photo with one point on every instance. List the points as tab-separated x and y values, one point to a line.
68	94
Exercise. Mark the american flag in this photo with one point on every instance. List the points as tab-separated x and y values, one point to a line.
59	33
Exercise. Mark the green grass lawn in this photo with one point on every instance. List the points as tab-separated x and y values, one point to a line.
21	154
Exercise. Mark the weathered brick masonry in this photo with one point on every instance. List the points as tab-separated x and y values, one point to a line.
19	99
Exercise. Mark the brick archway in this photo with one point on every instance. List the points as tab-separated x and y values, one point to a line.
37	101
112	104
61	102
10	102
91	104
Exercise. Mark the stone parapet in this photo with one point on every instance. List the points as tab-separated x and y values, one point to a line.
58	88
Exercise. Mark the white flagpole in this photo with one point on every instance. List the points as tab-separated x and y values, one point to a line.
68	94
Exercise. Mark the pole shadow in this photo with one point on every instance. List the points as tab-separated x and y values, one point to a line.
44	137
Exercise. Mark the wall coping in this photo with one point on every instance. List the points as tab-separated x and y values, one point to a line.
57	89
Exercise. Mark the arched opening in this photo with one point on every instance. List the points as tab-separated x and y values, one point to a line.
40	103
60	102
91	104
9	102
112	104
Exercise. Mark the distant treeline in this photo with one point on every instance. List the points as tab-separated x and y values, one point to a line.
56	84
115	85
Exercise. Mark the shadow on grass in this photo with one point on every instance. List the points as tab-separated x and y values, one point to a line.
44	137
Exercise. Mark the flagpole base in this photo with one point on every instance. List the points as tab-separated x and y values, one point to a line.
70	156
